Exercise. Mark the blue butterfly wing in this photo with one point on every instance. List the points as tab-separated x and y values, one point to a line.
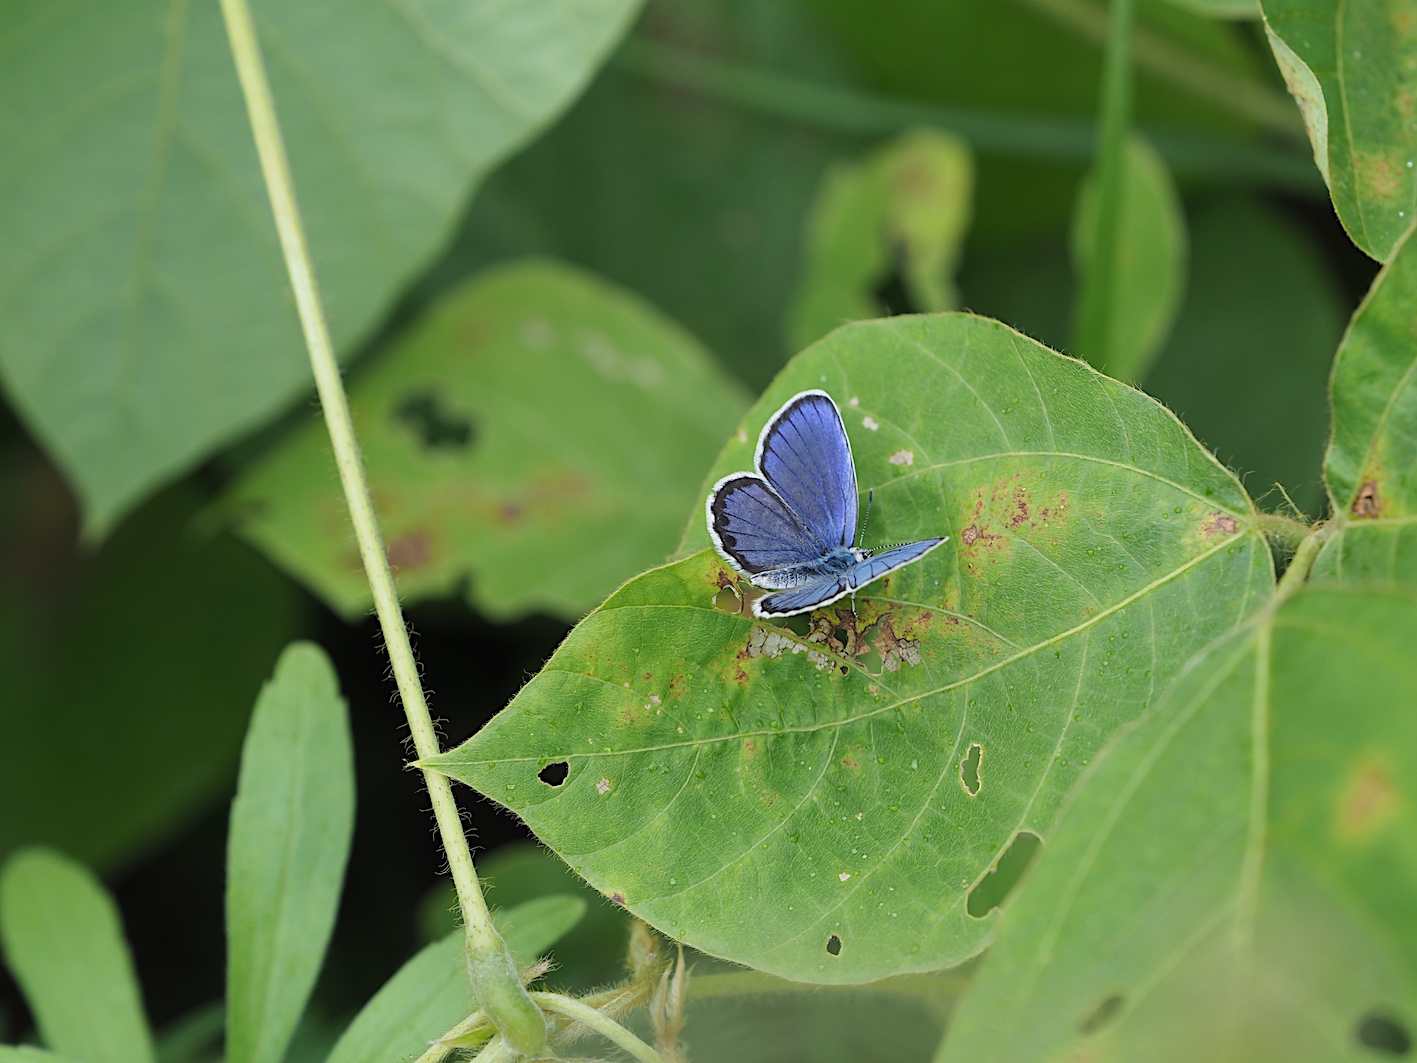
801	599
804	454
878	565
755	529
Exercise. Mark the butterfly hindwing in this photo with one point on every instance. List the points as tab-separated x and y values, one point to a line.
886	561
801	599
805	455
755	529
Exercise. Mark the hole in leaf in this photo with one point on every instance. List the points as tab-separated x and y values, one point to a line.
1382	1033
728	600
1102	1015
969	769
799	624
437	426
834	945
554	774
842	636
992	890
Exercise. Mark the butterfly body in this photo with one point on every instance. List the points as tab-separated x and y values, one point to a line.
790	525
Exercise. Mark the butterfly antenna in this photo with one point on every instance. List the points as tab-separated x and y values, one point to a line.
861	536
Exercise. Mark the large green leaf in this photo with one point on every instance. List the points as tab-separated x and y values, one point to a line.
147	313
821	805
1371	465
903	210
898	1019
140	661
64	944
430	993
29	1054
291	825
1248	362
1149	274
695	204
539	431
1235	880
1352	66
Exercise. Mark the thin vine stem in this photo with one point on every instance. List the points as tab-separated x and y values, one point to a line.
492	971
1092	333
853	111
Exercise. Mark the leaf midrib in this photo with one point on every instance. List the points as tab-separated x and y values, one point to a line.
878	711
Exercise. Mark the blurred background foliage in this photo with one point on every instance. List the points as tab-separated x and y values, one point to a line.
693	175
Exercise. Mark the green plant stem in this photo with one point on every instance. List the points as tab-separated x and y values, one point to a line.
490	966
607	1028
1249	99
1284	532
1297	574
1093	317
839	109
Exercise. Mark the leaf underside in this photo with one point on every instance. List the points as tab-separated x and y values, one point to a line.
1231	882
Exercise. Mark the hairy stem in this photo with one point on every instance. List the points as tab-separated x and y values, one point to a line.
607	1028
1297	574
1284	532
1092	329
490	965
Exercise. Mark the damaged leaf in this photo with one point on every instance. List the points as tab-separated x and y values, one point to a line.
897	217
1371	465
790	797
1229	883
1352	67
535	436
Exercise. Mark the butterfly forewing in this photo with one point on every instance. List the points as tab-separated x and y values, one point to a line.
878	565
755	529
805	455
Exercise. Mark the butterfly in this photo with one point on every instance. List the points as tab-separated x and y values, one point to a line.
790	525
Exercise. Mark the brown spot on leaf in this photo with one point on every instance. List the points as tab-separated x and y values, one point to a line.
847	762
1020	513
1219	524
969	535
410	551
1368	800
617	898
509	513
1376	174
1368	503
677	685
